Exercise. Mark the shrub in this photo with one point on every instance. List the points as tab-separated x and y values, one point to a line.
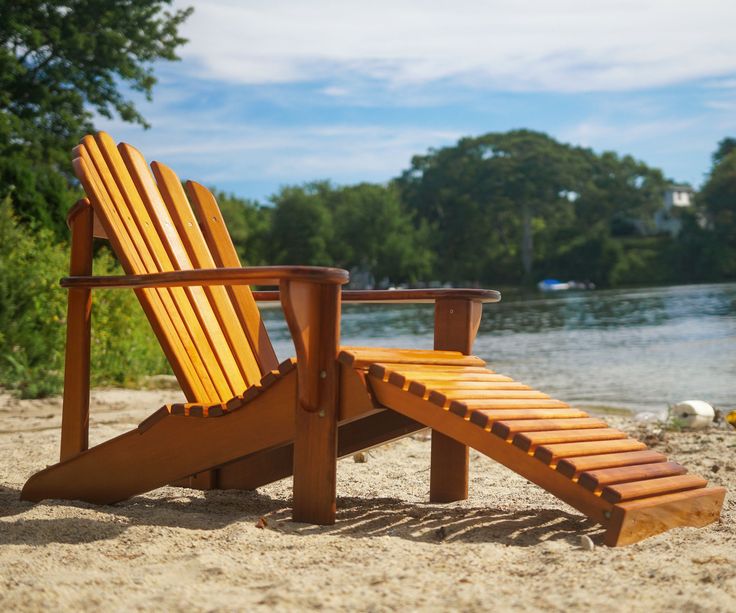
32	307
33	317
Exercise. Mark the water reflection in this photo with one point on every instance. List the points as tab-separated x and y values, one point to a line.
640	348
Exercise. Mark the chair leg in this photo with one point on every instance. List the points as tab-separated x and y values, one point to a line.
448	480
455	326
315	468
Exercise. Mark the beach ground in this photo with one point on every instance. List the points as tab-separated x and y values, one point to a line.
509	545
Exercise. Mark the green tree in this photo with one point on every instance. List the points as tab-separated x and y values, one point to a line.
60	62
374	232
249	225
301	229
718	200
508	207
488	198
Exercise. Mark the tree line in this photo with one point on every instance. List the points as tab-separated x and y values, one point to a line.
503	208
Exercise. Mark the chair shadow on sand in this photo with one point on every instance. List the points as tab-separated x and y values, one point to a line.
356	518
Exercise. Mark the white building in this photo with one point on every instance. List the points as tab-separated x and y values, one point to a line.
676	198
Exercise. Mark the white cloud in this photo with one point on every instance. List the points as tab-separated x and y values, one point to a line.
214	152
617	135
526	45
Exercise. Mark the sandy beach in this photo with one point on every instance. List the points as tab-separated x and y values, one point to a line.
509	545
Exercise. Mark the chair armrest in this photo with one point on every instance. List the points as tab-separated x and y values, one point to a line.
252	275
310	296
403	295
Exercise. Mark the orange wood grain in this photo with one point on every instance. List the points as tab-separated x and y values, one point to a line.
489	444
312	312
573	466
486	418
456	322
229	341
651	487
225	256
506	429
596	479
551	454
171	448
638	519
529	441
75	407
158	305
131	201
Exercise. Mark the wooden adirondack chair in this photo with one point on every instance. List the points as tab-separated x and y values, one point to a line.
250	421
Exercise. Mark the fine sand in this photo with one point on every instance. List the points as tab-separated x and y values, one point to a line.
510	545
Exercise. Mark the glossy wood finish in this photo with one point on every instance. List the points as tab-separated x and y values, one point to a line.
230	344
364	357
313	314
566	440
456	322
225	256
159	306
75	408
572	466
596	479
651	487
638	519
271	465
551	454
506	429
167	449
249	421
529	441
486	418
402	295
509	455
250	275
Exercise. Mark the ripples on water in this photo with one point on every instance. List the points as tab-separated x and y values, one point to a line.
639	348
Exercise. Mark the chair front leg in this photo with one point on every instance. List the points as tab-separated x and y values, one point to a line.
313	314
75	408
456	324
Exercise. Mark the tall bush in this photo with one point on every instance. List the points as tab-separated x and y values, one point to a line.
33	317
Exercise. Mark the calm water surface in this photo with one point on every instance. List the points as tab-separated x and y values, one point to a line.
639	348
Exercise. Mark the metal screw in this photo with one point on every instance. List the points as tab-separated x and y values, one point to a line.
322	374
321	413
607	514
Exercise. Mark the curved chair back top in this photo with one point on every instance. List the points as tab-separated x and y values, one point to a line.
213	337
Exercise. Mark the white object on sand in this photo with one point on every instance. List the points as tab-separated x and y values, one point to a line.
696	414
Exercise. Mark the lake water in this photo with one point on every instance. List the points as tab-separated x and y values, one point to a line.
638	349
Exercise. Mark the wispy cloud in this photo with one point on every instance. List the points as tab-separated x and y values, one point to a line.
219	153
526	45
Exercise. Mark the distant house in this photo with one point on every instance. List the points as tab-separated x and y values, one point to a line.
676	198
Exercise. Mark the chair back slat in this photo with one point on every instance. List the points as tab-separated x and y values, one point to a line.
196	246
223	251
142	232
156	303
206	333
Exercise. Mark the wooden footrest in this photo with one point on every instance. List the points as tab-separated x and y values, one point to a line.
616	480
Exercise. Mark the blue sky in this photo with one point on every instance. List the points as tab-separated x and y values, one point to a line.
279	92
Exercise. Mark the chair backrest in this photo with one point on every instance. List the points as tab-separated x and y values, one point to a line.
213	337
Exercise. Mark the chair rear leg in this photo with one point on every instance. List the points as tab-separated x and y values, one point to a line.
456	323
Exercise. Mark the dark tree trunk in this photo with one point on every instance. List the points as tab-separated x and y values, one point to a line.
527	244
